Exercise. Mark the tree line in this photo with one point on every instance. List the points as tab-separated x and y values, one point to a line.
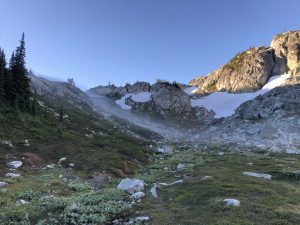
14	80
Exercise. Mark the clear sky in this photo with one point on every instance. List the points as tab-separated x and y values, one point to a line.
97	41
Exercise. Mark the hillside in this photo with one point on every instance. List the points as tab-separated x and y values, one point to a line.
225	152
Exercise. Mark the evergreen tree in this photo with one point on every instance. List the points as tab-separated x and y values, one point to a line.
33	105
20	79
9	87
2	74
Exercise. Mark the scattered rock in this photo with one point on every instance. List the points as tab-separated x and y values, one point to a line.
258	175
207	178
21	202
131	185
180	166
138	195
3	184
71	164
12	175
7	142
68	178
61	160
231	202
141	218
221	153
50	166
153	191
165	149
166	184
26	143
14	164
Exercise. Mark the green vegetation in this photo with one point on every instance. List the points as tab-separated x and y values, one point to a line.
51	201
167	83
197	201
237	61
211	88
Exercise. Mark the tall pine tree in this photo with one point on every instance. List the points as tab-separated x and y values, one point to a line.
2	74
19	77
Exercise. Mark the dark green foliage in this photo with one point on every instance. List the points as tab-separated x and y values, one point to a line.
33	105
2	74
20	80
14	81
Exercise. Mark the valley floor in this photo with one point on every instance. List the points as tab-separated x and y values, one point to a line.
208	177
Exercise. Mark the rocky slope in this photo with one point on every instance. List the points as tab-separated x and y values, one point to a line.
250	70
160	100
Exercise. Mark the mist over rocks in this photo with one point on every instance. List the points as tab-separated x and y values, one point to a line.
167	100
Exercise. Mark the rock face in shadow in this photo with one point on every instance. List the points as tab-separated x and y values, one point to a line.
248	71
287	51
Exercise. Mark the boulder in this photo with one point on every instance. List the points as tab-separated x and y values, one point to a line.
138	195
21	202
3	184
231	202
12	175
14	164
180	166
153	191
131	185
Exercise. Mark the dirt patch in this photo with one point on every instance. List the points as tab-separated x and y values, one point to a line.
33	160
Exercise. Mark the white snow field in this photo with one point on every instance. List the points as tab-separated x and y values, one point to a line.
224	104
139	97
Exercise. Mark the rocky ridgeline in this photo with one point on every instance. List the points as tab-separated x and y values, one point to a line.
249	70
167	100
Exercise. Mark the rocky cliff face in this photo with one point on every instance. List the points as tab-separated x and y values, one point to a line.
246	72
250	70
287	50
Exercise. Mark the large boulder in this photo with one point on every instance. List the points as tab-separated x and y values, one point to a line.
248	71
131	185
287	51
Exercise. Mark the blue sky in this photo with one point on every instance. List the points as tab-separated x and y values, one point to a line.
97	41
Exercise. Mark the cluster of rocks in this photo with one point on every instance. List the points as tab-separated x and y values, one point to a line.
168	101
250	70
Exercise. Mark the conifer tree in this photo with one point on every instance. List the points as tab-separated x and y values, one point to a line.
2	74
20	79
34	103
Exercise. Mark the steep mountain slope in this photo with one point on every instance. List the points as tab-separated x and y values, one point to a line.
247	71
250	70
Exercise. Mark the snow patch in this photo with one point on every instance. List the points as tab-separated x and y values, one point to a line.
190	90
139	97
224	104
